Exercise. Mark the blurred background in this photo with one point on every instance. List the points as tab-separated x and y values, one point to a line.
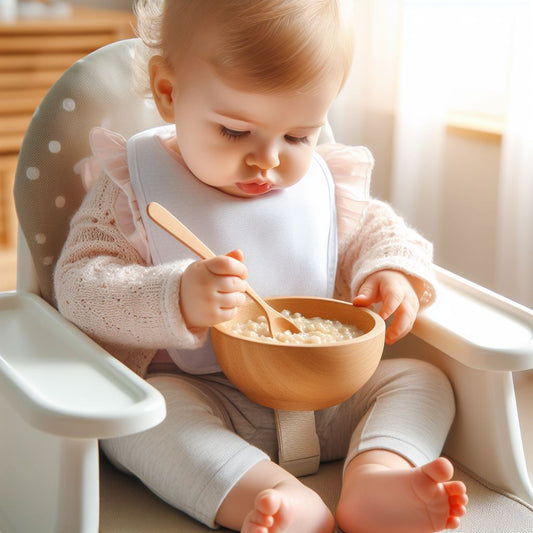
441	92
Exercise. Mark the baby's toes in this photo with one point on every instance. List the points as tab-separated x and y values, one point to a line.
457	497
453	522
457	510
268	502
440	470
459	500
455	488
261	520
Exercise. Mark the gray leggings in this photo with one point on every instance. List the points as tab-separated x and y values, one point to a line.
212	434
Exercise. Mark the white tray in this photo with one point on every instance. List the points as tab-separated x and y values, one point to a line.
63	383
478	327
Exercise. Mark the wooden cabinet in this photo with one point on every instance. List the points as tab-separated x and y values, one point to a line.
33	54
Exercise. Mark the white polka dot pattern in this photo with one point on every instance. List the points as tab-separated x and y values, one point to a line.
33	173
69	104
40	238
60	201
54	147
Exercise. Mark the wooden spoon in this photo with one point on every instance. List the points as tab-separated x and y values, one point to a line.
277	323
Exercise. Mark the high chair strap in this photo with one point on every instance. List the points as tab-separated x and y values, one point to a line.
299	448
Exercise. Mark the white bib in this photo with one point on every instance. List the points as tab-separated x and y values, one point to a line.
288	237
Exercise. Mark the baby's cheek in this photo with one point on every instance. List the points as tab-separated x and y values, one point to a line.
298	170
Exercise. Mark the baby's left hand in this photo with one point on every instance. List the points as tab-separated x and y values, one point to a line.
398	296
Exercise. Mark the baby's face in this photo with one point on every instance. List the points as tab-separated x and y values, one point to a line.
246	143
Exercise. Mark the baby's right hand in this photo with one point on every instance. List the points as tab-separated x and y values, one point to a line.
213	289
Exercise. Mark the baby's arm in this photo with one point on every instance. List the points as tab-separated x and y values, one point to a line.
103	285
389	263
381	259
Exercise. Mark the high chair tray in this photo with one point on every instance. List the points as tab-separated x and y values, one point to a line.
476	326
63	383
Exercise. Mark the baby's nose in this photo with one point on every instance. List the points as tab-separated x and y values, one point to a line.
265	157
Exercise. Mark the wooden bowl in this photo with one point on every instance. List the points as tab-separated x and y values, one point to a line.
301	377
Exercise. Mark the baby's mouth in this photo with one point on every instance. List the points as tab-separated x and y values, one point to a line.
254	188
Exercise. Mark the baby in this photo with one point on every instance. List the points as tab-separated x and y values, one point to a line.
245	87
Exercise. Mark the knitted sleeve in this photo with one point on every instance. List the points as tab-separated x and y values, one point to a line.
105	287
371	235
383	241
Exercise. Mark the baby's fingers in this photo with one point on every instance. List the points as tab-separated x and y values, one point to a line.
368	293
391	303
231	300
224	265
236	254
403	322
230	284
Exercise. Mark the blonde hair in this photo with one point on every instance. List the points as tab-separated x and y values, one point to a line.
268	45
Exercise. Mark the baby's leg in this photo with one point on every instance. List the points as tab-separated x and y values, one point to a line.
193	458
409	407
195	461
382	493
267	499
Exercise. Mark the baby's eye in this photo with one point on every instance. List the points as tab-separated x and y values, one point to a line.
296	140
232	134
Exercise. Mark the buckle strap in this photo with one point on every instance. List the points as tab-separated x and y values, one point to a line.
299	448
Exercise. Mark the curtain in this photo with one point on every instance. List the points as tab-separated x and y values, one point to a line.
420	115
415	61
371	89
515	217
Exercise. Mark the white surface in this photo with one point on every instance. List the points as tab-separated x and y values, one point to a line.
524	392
477	327
48	484
61	382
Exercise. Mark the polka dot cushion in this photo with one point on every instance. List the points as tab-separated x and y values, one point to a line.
96	91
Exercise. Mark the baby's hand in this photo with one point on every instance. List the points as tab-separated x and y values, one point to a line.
398	296
213	289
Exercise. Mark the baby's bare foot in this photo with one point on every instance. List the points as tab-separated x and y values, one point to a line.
272	512
288	508
416	500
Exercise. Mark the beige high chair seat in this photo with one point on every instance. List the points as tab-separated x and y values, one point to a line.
60	392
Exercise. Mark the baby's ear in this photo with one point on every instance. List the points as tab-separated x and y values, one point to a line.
162	84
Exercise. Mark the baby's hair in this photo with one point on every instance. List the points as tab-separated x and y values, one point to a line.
265	45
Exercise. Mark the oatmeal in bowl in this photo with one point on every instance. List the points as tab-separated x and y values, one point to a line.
313	330
338	350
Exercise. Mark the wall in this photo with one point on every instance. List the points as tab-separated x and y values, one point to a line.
470	206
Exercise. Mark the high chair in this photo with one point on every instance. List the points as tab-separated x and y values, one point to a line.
60	392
